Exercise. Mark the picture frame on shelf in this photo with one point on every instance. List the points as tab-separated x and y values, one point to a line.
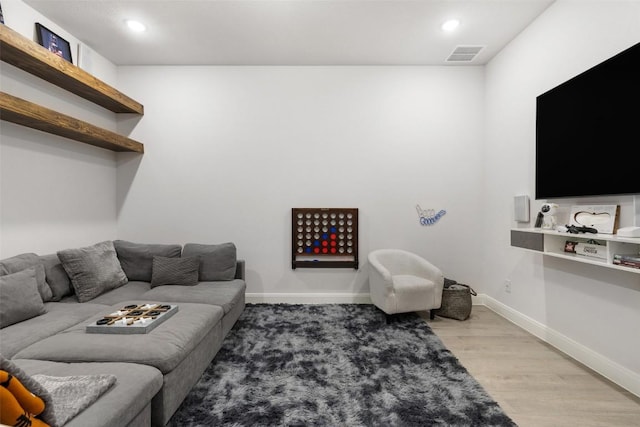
53	42
603	218
1	15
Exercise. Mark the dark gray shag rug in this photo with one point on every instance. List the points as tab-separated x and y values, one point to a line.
335	365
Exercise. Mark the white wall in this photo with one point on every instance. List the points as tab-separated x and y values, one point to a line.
54	193
230	150
596	307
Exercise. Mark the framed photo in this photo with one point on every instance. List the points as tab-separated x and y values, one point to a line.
53	42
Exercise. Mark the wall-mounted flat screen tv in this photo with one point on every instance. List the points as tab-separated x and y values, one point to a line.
588	132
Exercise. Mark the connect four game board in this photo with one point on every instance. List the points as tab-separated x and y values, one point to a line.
324	237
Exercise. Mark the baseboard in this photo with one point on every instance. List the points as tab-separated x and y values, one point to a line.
310	298
323	298
477	300
609	369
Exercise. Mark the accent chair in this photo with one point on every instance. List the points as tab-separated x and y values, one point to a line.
402	281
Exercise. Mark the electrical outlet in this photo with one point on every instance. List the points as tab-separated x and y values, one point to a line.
507	286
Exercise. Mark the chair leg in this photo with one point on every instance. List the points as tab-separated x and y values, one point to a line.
432	314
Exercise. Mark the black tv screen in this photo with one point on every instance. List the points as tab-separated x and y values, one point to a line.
588	132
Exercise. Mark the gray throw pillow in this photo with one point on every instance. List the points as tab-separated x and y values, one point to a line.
22	262
217	262
57	278
136	259
93	270
20	297
175	271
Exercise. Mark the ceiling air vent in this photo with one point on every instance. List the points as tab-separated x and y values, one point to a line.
464	53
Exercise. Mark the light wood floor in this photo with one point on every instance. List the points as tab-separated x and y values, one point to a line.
535	384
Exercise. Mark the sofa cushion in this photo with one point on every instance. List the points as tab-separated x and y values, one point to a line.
93	270
163	348
57	279
135	387
175	271
130	290
136	259
20	298
59	316
217	262
24	261
226	294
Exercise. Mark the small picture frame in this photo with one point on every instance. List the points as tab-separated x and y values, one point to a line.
53	42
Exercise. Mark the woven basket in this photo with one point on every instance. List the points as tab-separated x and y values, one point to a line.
456	302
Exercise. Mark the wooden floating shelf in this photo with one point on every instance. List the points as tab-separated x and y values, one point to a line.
29	56
25	113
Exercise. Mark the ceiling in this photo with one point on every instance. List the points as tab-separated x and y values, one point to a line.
291	32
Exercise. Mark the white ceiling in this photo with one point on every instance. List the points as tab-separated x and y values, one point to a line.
291	32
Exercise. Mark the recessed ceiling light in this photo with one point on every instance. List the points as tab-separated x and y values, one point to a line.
136	26
450	25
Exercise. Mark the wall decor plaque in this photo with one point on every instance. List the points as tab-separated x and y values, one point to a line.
603	218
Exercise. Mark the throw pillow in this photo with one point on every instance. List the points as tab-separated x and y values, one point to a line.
57	278
20	297
93	270
217	262
136	259
175	271
22	262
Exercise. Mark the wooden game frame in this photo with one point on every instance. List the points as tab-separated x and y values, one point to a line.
324	238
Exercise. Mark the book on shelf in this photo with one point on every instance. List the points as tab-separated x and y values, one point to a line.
631	264
627	257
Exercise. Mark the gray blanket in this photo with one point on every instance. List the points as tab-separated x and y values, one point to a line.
71	395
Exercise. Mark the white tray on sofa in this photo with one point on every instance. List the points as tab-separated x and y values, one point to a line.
138	319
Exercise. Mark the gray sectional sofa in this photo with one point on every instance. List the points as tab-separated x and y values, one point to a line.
47	301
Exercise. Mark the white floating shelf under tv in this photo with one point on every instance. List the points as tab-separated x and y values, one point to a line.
552	243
